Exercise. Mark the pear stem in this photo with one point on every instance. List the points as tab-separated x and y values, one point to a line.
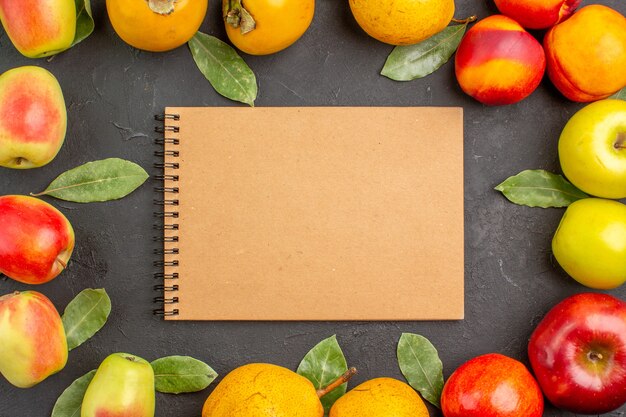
466	20
337	382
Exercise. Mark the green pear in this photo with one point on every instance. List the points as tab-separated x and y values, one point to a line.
122	387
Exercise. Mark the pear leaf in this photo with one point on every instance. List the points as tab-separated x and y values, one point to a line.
104	180
227	72
420	364
71	400
539	188
322	365
181	374
406	63
620	95
85	315
84	21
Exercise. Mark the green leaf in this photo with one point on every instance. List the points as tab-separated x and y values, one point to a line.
421	366
84	21
181	374
620	95
70	401
322	365
539	188
224	68
108	179
85	315
406	63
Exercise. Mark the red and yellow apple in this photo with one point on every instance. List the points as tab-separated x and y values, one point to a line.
33	118
39	28
32	339
590	243
123	386
498	62
586	54
537	14
592	149
578	353
36	239
492	385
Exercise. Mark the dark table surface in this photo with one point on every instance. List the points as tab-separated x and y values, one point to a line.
112	91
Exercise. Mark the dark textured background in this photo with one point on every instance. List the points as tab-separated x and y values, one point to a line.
112	92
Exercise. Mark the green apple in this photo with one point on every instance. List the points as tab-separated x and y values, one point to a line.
590	243
592	149
123	386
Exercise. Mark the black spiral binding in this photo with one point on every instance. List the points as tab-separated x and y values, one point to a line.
167	210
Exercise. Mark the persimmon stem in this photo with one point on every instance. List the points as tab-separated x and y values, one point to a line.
238	17
162	7
337	382
466	20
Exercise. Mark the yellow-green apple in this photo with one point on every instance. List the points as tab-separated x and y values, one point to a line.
33	117
122	387
578	353
498	62
537	14
592	149
590	243
36	239
492	385
32	339
39	28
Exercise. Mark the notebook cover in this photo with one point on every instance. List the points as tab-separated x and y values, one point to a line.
340	213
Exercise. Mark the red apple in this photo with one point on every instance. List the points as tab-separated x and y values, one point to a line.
32	339
33	118
492	385
578	352
39	28
36	240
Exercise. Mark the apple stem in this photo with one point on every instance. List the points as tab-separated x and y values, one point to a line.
620	143
337	382
466	20
63	264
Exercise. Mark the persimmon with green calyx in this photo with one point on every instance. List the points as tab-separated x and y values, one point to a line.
265	390
123	386
380	397
156	25
263	27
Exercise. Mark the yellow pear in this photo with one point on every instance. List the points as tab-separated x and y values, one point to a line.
380	397
402	22
261	389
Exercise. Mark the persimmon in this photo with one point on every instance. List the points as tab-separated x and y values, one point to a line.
262	27
156	25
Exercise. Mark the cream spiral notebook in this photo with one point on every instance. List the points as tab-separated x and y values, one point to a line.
315	213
